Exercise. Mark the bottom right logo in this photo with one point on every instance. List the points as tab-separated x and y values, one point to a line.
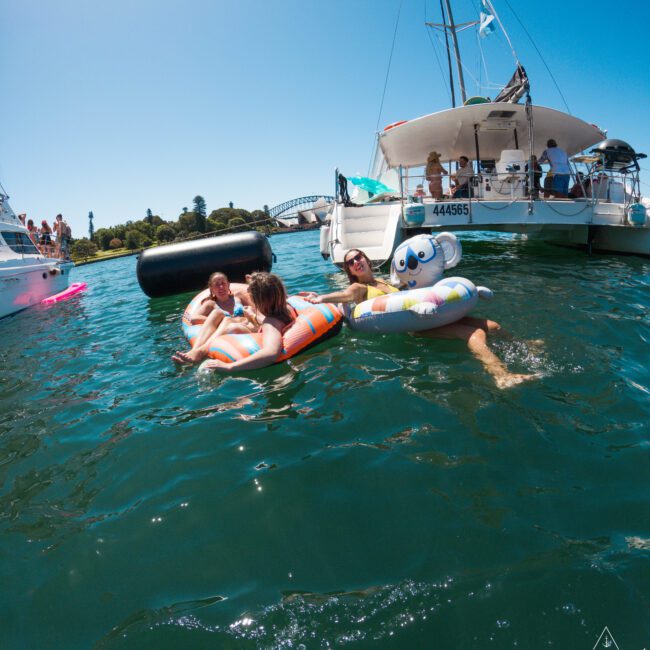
606	640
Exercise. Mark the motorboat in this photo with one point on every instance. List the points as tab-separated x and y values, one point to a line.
499	136
26	276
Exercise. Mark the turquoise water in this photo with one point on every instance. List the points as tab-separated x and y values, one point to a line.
376	491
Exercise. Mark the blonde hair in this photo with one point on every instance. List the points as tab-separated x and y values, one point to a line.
269	296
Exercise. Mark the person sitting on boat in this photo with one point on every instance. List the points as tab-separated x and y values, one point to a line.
434	172
537	176
419	192
46	238
364	285
559	161
269	297
462	177
578	189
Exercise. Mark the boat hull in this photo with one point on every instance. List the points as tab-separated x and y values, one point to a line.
378	229
24	285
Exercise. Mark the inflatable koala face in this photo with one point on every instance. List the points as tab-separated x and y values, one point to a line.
420	260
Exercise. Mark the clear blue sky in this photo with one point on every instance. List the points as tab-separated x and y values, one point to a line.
121	106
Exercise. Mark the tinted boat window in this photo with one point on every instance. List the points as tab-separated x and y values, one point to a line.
19	242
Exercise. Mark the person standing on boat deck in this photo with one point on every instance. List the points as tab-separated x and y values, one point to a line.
62	239
33	232
537	177
46	238
434	172
559	162
363	285
462	177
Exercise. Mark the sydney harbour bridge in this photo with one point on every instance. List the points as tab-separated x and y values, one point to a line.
301	211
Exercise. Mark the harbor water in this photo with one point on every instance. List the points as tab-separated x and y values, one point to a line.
373	492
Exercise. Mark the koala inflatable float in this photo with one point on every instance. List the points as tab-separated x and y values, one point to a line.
430	301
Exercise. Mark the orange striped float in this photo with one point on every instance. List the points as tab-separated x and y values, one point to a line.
313	325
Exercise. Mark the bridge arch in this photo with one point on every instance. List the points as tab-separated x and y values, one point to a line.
293	206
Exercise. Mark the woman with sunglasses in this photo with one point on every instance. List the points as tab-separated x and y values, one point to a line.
364	285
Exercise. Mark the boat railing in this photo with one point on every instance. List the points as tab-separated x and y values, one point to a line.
609	186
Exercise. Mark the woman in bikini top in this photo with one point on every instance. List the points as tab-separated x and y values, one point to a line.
363	283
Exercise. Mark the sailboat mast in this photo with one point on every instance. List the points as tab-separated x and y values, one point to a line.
461	81
451	74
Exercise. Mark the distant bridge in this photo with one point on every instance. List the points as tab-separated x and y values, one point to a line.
297	205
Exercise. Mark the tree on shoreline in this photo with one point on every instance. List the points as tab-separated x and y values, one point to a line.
152	229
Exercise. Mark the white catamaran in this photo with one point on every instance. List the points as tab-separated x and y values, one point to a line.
26	276
606	213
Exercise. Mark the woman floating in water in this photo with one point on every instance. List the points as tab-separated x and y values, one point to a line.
364	285
269	297
224	310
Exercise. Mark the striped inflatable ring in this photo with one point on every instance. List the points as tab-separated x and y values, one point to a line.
418	309
313	324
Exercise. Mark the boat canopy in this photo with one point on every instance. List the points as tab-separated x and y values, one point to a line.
499	126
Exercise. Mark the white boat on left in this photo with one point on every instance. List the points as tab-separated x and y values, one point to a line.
26	276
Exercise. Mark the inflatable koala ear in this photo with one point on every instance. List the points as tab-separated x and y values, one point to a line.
451	248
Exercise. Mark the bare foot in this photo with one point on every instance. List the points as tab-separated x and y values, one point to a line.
185	358
509	380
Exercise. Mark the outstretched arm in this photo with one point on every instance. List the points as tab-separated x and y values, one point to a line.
354	293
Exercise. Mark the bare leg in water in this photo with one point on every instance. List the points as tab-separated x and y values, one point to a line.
201	349
210	325
474	332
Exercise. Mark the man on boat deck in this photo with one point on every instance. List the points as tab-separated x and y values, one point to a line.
462	177
559	162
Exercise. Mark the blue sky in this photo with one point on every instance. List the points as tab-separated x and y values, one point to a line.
127	105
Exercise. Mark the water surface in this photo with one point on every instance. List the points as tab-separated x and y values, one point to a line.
376	491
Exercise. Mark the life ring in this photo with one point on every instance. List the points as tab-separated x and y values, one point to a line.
313	324
418	309
394	124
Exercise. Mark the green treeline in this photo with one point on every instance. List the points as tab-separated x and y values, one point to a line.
152	229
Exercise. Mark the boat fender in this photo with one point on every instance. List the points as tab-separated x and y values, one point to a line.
636	214
185	266
313	325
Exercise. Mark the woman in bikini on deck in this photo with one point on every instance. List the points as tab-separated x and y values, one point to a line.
364	285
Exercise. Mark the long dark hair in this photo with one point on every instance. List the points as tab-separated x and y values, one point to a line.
346	266
269	296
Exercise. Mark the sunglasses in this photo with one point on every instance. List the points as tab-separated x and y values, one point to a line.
357	258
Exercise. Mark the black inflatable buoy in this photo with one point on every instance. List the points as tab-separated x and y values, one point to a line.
177	268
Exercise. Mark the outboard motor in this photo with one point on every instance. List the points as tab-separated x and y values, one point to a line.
618	155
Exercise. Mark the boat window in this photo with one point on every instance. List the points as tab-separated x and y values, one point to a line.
19	242
500	114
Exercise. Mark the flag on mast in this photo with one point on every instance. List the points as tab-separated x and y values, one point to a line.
487	20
